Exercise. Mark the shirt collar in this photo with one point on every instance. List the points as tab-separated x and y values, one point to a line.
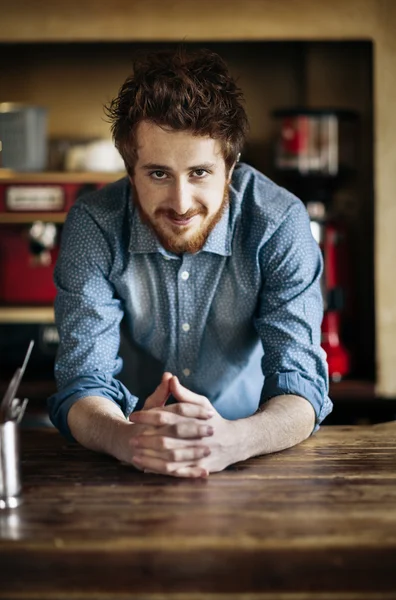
143	240
219	240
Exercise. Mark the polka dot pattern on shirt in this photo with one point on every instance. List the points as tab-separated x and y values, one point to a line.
238	321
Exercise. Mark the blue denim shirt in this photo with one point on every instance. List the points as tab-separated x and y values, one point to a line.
238	322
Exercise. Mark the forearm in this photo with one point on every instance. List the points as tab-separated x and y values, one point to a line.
281	423
99	424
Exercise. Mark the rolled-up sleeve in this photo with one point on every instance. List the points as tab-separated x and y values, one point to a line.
290	314
88	315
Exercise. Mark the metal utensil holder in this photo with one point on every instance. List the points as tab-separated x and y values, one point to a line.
10	476
11	413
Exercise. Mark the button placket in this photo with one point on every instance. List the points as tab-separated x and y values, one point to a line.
186	317
168	271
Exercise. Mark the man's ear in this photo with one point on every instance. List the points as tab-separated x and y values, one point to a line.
230	172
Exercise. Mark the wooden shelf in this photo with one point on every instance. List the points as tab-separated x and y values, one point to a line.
26	314
10	176
16	218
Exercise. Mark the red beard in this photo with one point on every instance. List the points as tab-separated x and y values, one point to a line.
176	243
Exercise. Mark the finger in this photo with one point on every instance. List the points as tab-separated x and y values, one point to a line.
163	443
192	411
187	430
163	467
193	472
184	430
171	415
182	394
176	455
166	376
160	395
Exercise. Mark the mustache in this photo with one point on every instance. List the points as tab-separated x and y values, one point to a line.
177	216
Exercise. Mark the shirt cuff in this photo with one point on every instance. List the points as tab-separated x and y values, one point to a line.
96	384
294	383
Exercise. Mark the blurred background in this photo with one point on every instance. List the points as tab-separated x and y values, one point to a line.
319	81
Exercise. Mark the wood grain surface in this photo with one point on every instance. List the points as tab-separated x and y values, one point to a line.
317	521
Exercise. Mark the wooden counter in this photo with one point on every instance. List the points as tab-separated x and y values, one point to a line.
317	521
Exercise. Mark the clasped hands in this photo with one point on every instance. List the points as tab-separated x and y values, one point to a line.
186	439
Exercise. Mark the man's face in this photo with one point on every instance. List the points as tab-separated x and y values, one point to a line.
180	185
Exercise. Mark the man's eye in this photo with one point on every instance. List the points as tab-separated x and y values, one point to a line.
200	173
158	175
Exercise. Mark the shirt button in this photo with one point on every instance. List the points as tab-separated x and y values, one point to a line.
186	327
186	372
185	275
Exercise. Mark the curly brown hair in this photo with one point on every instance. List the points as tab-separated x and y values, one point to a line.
179	90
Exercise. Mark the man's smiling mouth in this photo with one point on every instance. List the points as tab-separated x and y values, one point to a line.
181	222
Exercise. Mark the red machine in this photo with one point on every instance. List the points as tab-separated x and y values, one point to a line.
315	152
42	197
335	292
26	272
29	239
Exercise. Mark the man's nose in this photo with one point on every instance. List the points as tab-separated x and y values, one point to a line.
181	197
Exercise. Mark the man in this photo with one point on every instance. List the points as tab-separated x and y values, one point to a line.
215	273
